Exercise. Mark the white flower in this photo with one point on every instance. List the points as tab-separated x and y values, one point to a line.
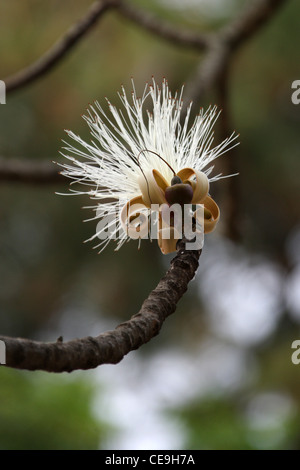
145	155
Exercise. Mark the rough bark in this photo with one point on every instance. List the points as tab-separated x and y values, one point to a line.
110	347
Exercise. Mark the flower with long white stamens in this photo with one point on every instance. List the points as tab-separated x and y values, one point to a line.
144	157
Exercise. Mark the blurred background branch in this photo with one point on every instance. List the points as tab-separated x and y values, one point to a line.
26	171
219	48
164	30
60	49
232	210
225	42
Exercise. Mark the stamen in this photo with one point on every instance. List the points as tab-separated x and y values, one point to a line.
148	189
159	156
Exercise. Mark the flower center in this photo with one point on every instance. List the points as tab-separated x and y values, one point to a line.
179	192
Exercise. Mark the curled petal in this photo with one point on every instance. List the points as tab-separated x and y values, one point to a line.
211	214
153	186
133	219
200	186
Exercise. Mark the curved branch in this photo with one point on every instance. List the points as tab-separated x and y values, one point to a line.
112	346
250	20
59	50
163	29
225	42
208	71
15	170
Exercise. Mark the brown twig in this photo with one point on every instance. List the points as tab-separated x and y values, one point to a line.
225	42
112	346
250	21
26	171
60	49
163	29
220	46
208	71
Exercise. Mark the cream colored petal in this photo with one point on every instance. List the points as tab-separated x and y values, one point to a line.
211	214
153	186
161	181
133	218
200	186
